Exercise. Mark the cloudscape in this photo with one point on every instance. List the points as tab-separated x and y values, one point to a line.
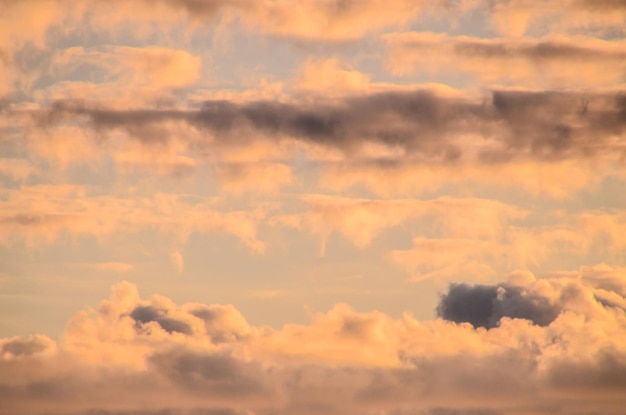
228	207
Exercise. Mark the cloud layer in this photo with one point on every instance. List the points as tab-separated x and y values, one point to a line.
507	125
382	161
553	345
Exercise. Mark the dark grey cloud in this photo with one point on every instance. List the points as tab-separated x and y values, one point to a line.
146	314
540	125
485	305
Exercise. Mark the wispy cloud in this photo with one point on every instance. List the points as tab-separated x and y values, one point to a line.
551	62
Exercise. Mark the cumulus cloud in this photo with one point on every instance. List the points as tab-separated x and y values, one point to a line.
485	305
147	314
551	345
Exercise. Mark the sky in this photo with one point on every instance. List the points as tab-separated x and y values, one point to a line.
281	207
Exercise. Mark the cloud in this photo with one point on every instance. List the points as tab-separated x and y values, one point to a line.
126	125
147	314
223	322
219	377
606	225
342	21
451	236
16	169
33	345
68	210
244	178
178	261
485	305
443	258
398	142
308	20
321	21
42	56
326	20
551	346
402	176
546	62
509	245
605	277
515	17
124	329
122	75
362	220
606	373
110	267
548	126
330	76
151	65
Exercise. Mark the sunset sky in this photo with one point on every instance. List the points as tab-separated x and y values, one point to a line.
282	207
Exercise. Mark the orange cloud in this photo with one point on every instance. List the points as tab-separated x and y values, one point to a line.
558	180
130	76
242	178
362	220
557	343
516	17
149	66
15	168
110	267
330	76
41	214
555	61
